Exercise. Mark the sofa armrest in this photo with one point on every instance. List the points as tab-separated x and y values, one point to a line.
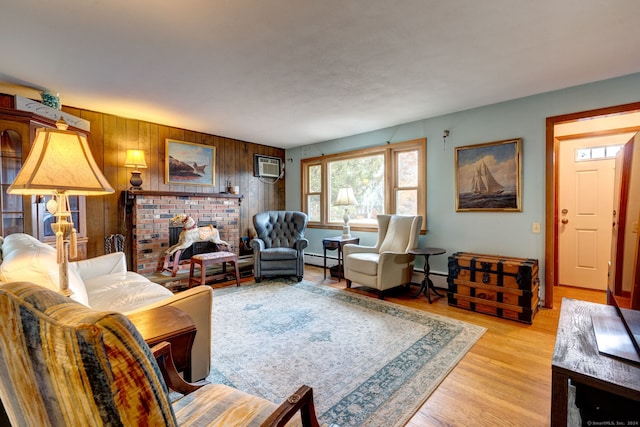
301	400
300	244
164	358
100	265
257	244
197	302
350	248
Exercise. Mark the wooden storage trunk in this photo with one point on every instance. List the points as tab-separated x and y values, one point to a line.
500	286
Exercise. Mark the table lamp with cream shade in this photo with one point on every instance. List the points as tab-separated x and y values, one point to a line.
135	159
60	163
346	198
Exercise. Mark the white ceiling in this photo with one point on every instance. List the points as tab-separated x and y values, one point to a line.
287	73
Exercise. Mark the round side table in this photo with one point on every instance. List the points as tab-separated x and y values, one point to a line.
427	284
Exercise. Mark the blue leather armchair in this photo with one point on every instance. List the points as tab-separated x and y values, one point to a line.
278	249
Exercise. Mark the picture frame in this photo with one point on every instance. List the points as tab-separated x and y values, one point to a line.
188	163
488	176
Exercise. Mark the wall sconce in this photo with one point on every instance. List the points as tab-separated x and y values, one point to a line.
135	159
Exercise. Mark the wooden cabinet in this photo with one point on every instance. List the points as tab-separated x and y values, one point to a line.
14	209
28	214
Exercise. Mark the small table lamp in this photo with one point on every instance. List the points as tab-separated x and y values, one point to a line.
346	198
60	162
135	159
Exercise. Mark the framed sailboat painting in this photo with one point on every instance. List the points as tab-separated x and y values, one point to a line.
488	176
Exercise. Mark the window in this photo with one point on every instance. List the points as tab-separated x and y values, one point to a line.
387	179
598	153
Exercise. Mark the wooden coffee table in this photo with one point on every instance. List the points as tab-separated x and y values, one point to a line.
170	324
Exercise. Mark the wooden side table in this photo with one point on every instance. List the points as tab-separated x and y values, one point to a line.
576	360
168	323
333	243
427	283
203	260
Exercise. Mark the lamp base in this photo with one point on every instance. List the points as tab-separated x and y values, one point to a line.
346	232
136	180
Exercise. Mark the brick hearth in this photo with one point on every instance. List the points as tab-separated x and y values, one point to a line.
151	216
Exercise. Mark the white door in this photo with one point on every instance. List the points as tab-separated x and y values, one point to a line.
585	201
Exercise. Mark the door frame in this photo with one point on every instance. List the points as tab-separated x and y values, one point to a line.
551	186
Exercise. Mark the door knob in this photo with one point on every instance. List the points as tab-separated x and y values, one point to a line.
564	220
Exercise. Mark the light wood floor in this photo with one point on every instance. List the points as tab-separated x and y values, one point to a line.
505	379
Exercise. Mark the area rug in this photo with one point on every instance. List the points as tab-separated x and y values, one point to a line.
370	362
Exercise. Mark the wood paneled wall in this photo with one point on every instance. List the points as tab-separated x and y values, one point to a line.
111	136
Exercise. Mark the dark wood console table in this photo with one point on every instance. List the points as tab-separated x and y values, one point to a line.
576	359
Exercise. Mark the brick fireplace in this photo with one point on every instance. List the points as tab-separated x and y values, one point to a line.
151	212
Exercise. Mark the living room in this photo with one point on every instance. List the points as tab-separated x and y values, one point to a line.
120	123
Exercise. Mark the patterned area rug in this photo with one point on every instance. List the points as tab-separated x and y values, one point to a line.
370	362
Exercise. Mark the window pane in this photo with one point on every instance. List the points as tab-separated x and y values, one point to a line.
10	202
612	150
74	202
407	202
10	169
365	176
315	179
12	223
11	143
583	154
313	203
407	168
597	153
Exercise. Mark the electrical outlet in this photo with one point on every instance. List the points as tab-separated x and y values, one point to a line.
634	227
535	228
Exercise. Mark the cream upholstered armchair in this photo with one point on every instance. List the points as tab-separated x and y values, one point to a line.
65	364
278	249
387	264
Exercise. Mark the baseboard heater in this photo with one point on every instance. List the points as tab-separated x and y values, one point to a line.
318	260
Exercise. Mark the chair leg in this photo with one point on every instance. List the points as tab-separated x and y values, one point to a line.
348	283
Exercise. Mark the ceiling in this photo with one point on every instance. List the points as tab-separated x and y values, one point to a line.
287	73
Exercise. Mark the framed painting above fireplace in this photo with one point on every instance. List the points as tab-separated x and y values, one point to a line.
188	163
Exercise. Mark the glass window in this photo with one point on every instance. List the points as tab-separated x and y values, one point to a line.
598	153
613	150
363	179
386	179
11	162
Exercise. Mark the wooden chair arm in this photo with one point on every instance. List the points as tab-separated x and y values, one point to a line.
162	354
301	400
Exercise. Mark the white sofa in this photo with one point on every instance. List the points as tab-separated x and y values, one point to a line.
103	283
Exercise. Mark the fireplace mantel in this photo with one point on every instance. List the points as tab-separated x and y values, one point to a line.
132	194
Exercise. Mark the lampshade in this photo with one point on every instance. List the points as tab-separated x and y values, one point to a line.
135	159
60	160
345	197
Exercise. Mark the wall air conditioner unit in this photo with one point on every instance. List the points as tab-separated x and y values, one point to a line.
265	166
